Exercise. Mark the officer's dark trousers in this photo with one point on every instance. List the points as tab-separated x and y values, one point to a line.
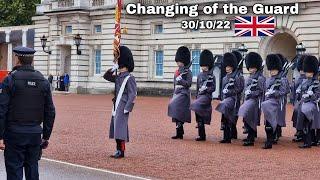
251	133
22	151
201	126
121	145
227	128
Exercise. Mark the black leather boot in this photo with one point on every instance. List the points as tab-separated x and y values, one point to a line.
270	137
179	131
306	137
226	134
234	131
250	138
201	132
120	149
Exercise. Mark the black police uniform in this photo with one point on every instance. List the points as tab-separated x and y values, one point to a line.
25	103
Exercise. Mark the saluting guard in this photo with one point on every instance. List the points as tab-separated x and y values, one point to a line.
126	92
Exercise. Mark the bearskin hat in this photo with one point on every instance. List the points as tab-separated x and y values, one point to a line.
239	58
126	58
206	58
310	64
183	55
253	60
230	59
283	59
273	62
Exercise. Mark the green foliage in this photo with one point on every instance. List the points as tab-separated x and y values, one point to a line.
17	12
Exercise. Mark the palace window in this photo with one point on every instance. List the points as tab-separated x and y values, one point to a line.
97	62
195	55
68	30
97	29
159	63
158	29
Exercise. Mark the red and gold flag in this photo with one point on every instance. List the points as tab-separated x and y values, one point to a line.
117	32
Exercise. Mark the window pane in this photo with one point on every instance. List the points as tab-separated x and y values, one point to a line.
196	60
97	28
159	63
68	30
158	29
98	61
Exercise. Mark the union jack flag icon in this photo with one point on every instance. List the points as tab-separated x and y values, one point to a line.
251	26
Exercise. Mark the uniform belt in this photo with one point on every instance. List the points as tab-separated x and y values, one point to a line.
179	86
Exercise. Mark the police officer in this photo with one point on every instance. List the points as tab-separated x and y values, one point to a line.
25	103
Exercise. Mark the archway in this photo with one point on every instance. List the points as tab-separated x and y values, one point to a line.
283	42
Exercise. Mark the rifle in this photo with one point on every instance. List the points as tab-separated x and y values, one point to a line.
186	68
210	75
233	78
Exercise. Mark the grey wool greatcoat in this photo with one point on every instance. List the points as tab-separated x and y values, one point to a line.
250	110
308	106
179	105
273	103
119	123
228	106
296	98
202	105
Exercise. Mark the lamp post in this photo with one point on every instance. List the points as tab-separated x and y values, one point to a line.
301	49
44	44
77	41
243	50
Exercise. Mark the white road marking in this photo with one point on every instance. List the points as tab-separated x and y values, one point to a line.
94	169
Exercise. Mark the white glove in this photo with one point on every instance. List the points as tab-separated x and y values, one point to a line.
178	78
269	92
247	92
203	88
126	112
114	67
225	91
310	93
298	91
305	96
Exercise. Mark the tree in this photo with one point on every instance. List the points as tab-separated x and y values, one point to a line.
17	12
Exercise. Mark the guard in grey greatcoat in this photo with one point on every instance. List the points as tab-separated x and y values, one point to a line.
308	111
296	97
282	111
206	85
250	110
126	92
234	131
231	85
276	89
179	106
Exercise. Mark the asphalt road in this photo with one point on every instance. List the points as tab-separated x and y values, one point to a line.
53	170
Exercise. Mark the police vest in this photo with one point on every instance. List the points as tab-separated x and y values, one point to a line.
27	97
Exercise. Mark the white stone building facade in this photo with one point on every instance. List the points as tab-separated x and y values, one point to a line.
153	40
